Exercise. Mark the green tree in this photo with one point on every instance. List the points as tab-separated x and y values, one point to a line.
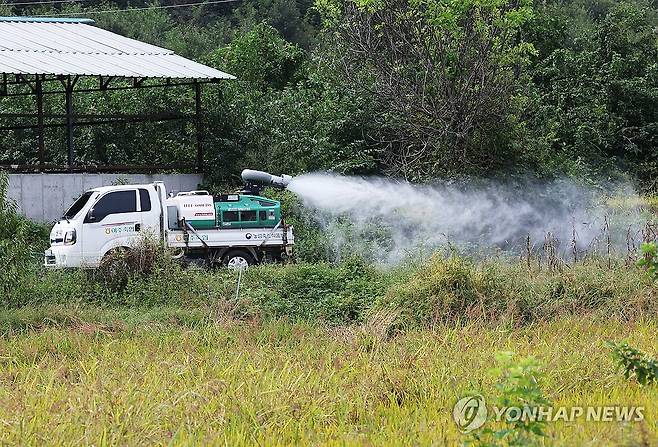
442	75
286	114
598	89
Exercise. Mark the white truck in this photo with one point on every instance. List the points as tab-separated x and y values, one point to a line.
237	229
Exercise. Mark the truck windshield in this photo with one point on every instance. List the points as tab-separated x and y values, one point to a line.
77	205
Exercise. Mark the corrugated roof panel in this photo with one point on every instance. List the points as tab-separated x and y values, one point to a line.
105	41
118	65
73	47
46	19
59	37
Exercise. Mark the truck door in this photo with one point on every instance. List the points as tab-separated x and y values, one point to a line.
113	221
149	211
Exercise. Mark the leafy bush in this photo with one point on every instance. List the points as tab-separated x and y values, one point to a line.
455	289
21	241
316	246
121	264
443	290
635	363
336	294
518	387
649	258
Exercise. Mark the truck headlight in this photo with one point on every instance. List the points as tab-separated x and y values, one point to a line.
69	237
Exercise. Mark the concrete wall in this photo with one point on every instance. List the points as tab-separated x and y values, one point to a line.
45	197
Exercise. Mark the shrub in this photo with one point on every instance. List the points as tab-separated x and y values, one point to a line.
635	363
442	290
649	259
518	387
336	294
21	241
455	289
121	264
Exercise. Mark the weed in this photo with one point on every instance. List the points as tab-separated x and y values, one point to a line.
457	290
518	389
649	258
122	264
635	363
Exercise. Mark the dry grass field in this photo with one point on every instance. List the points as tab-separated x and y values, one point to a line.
108	377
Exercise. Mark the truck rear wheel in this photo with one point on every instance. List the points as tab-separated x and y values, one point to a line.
238	259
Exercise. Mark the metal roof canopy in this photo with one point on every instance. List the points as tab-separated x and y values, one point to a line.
35	51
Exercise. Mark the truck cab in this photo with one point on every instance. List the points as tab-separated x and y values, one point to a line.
103	219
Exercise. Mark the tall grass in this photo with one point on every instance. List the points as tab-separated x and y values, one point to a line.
444	290
456	289
21	241
279	383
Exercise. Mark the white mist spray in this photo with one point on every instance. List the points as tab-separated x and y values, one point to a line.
420	218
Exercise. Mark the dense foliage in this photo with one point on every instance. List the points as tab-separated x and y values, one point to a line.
411	88
444	291
635	363
21	241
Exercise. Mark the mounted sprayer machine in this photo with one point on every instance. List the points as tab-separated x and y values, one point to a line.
237	229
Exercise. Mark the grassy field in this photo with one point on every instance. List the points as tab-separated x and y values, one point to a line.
105	376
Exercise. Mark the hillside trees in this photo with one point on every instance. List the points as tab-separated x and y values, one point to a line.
598	92
442	74
284	113
412	88
562	88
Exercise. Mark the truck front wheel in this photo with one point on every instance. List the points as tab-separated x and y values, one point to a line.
115	268
238	259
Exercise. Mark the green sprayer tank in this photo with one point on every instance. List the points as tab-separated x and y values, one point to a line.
246	209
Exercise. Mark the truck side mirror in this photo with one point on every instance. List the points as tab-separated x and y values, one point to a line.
90	216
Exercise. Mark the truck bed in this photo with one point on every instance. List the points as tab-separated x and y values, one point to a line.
226	237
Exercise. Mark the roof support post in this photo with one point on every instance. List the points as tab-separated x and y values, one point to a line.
38	91
198	119
70	122
103	84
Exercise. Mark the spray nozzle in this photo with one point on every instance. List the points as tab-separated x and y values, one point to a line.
253	178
